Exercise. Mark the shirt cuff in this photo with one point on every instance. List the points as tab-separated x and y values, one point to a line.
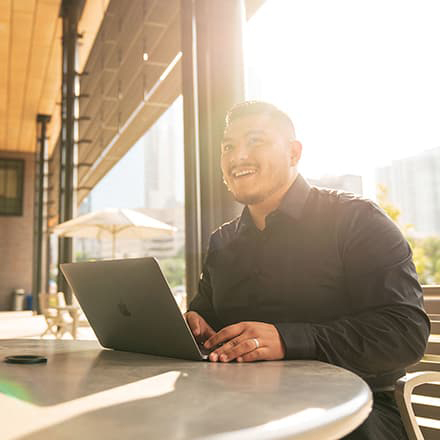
298	340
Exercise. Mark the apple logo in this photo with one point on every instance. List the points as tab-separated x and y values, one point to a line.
123	309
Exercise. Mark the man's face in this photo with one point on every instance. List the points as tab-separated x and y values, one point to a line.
257	158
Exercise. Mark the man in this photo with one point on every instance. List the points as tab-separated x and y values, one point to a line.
307	273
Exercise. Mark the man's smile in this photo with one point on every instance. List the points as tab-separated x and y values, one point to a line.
243	172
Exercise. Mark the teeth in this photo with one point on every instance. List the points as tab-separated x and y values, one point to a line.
243	173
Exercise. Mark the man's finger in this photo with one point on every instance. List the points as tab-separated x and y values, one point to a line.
236	350
194	323
206	332
258	354
228	346
224	335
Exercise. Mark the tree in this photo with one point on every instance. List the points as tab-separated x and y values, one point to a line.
174	269
422	260
382	198
431	246
82	256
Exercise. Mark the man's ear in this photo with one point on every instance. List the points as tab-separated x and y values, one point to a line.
226	184
295	152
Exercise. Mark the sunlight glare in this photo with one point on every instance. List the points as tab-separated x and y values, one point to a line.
359	79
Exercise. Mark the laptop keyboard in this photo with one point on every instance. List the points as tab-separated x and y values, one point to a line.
204	350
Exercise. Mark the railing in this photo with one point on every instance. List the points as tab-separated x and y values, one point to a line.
426	398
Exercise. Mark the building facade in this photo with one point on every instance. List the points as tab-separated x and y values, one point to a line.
413	186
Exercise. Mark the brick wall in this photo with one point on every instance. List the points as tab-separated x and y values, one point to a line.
16	238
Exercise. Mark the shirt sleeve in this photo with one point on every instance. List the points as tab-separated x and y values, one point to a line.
388	329
202	302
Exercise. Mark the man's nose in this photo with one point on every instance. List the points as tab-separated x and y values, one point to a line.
242	152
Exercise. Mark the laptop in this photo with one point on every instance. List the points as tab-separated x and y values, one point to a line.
129	305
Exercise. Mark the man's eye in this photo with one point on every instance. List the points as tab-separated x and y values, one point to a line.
227	147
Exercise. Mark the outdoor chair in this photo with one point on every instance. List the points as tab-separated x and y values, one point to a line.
423	406
60	318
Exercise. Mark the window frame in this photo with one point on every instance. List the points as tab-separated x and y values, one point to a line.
17	210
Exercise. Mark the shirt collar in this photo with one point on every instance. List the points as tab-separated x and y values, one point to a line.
245	221
292	203
295	198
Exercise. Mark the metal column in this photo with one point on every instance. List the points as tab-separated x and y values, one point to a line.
220	75
193	244
70	12
213	81
41	156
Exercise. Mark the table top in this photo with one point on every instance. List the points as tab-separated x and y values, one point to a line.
87	392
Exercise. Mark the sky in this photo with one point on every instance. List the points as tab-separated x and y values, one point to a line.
359	78
123	186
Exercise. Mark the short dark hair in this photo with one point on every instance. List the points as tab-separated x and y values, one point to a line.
258	108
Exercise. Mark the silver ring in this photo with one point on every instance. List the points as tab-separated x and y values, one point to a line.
257	344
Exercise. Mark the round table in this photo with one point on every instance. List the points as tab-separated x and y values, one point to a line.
86	392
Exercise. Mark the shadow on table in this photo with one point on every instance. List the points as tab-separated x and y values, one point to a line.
74	374
206	398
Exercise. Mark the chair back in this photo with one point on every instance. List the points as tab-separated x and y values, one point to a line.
47	302
61	300
426	397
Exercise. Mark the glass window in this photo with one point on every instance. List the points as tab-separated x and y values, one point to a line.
149	179
11	186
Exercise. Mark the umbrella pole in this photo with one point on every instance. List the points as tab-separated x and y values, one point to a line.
113	245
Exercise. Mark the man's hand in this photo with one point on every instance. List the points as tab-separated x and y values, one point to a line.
199	327
247	342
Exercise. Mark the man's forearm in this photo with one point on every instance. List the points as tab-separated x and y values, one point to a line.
374	342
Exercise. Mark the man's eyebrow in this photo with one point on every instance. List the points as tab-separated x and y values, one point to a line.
226	139
255	132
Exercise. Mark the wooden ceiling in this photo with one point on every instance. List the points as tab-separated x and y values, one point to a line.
30	67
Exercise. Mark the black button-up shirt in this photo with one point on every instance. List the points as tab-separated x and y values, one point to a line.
332	272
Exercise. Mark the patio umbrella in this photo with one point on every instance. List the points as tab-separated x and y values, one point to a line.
112	222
